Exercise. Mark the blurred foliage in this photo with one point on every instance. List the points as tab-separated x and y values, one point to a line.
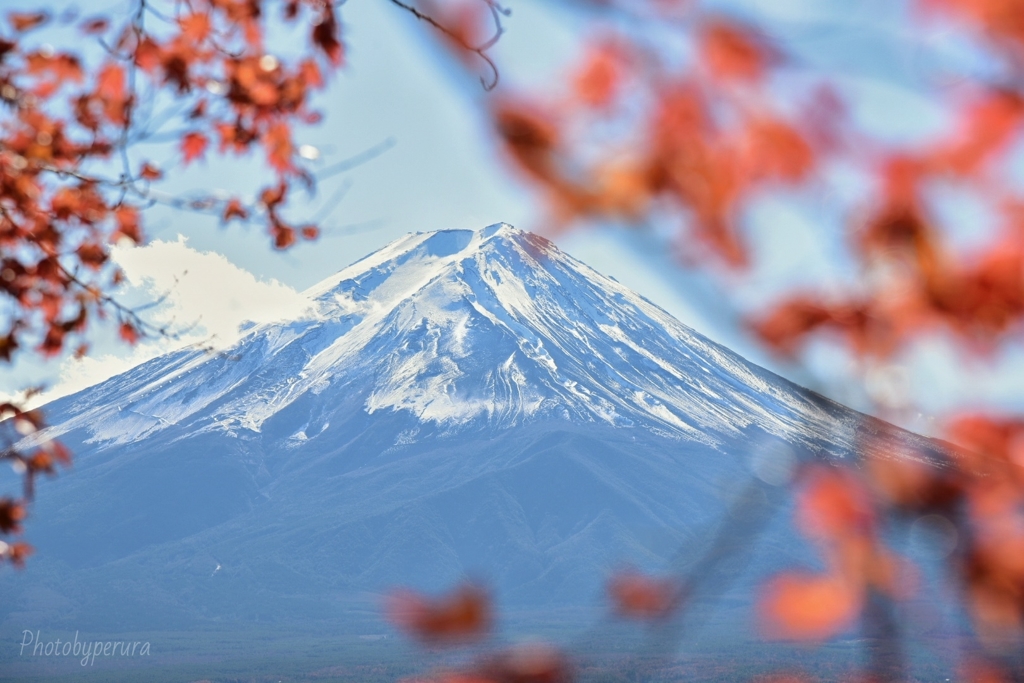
633	131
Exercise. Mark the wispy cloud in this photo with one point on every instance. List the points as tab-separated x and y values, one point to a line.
203	292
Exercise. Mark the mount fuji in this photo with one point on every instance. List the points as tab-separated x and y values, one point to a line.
458	402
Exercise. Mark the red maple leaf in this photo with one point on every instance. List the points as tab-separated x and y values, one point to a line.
24	21
193	146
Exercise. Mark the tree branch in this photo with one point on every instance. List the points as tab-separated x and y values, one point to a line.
497	12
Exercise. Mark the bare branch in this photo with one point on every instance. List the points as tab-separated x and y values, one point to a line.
497	12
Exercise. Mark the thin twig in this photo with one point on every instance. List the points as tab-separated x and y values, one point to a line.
124	313
497	12
138	28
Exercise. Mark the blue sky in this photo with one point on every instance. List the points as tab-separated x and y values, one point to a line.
443	171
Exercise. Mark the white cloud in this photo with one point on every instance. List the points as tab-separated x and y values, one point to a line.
204	292
201	295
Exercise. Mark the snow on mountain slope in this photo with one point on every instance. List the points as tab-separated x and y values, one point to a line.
465	329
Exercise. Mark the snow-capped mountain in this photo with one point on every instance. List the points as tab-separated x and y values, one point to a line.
461	330
456	402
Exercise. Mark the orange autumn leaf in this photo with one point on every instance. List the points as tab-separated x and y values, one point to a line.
195	27
906	482
11	515
326	35
528	132
987	127
53	342
999	18
128	223
597	81
450	677
18	552
284	236
833	503
622	189
995	610
62	67
148	55
128	333
41	462
789	323
974	671
150	172
234	209
271	197
803	606
193	146
637	596
776	150
32	418
464	614
95	25
786	326
733	52
311	74
527	663
279	147
679	120
110	82
59	452
110	88
999	439
92	254
531	137
24	21
901	230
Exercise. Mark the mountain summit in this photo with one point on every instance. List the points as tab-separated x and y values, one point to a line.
456	402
